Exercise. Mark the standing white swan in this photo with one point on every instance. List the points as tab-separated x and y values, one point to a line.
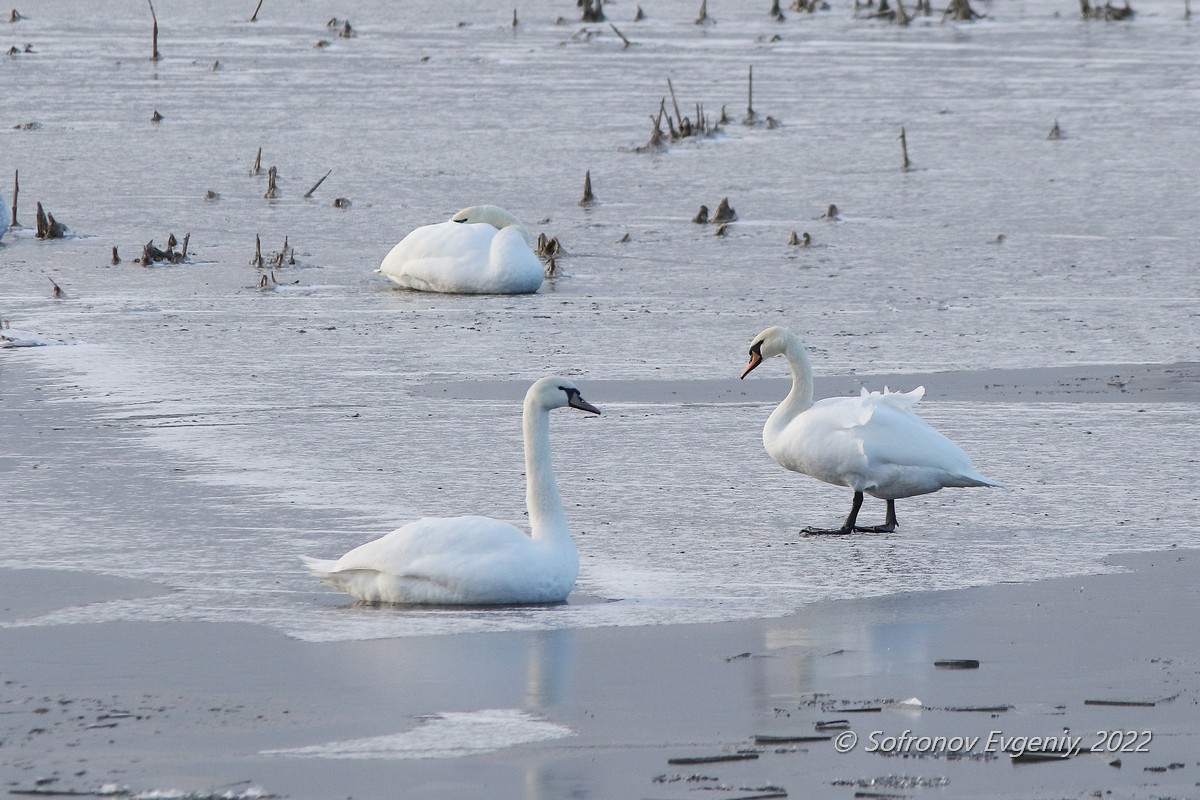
480	250
874	443
477	560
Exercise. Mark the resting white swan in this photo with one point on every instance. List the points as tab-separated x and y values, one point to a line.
477	560
480	250
874	443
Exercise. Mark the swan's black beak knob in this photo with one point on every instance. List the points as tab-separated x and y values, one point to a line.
755	359
577	401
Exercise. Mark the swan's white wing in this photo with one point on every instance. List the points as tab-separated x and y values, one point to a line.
474	560
873	443
472	258
442	549
905	455
446	257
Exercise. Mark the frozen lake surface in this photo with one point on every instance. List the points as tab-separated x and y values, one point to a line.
202	433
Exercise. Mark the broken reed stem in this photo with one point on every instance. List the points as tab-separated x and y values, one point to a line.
16	191
904	149
588	197
272	191
258	259
254	16
318	183
614	27
154	31
257	168
678	116
750	96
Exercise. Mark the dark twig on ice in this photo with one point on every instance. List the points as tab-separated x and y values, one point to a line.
906	166
154	32
548	250
679	126
47	226
750	115
674	102
254	16
277	259
272	189
56	292
960	11
514	22
116	259
593	10
1055	132
704	19
16	191
152	255
257	168
1110	12
315	185
618	32
588	197
257	261
724	213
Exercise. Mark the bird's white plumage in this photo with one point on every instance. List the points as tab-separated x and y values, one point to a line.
874	443
480	250
474	560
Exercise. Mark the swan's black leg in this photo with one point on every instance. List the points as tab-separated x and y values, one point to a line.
847	526
888	525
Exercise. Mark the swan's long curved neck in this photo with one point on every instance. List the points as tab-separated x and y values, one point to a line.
800	398
547	520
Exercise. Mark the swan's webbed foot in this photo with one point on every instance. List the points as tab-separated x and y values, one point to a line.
889	524
849	526
842	531
887	528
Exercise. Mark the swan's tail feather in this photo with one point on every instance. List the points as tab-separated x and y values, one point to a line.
321	567
975	479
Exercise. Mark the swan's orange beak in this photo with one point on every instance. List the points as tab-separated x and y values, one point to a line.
755	360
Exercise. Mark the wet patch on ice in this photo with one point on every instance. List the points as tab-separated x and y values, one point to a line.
451	734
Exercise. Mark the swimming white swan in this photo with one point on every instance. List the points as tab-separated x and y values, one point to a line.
874	443
480	250
477	560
